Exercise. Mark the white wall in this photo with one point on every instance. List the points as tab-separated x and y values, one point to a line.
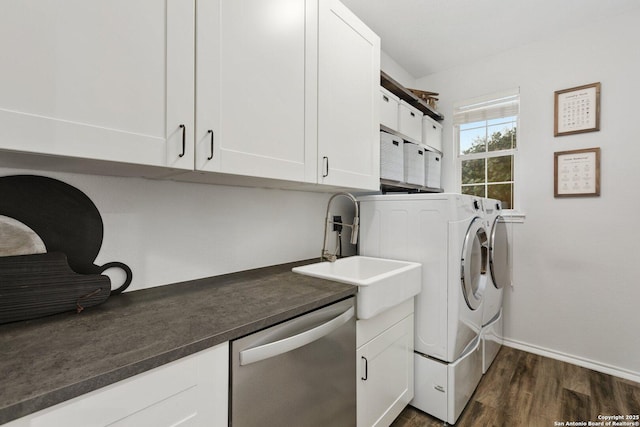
576	286
172	231
395	70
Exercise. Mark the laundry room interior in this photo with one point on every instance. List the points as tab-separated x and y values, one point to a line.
571	294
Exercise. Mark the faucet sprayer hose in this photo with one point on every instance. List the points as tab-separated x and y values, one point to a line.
354	230
325	255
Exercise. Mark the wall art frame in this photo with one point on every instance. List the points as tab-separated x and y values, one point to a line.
577	110
577	173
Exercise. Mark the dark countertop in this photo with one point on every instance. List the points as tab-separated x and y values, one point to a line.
50	360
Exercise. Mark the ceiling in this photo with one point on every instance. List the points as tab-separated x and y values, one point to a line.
428	36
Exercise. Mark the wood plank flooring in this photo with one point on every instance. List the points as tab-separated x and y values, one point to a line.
524	389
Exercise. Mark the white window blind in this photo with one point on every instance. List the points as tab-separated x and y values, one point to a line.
504	104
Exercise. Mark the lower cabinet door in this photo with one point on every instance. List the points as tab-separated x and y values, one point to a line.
385	375
192	391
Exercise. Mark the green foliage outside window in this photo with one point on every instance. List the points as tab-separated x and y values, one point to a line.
491	176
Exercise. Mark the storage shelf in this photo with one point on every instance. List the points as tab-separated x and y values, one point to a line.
389	186
406	138
407	96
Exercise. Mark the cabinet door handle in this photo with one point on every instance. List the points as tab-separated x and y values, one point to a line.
184	139
210	132
366	369
325	167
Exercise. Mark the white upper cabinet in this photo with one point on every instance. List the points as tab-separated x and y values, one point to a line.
108	80
285	90
348	104
250	80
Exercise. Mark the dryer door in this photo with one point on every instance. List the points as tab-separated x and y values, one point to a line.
474	264
499	260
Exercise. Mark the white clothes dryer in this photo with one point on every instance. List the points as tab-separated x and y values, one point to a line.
447	234
497	280
499	260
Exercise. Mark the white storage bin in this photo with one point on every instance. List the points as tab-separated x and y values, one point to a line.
391	157
432	168
431	133
389	109
410	121
413	163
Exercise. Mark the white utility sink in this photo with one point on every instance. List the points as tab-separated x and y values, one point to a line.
382	283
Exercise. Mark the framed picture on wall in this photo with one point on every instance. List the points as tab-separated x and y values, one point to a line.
577	173
577	110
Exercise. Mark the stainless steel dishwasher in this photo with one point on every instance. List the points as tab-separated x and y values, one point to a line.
299	373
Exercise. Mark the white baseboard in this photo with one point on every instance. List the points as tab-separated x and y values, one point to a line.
575	360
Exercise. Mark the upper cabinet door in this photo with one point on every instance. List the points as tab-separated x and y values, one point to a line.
250	87
348	90
100	79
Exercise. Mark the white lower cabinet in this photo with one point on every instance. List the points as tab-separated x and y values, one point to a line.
385	361
192	391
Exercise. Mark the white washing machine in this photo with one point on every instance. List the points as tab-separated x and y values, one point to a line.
447	234
497	280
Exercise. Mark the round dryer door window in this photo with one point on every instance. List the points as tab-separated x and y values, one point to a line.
499	263
474	264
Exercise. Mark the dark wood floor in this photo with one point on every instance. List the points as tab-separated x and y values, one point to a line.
524	389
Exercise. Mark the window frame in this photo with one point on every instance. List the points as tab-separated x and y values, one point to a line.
513	214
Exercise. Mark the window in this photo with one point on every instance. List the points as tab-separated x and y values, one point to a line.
486	137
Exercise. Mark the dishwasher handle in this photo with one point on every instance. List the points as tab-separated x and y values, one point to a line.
277	348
